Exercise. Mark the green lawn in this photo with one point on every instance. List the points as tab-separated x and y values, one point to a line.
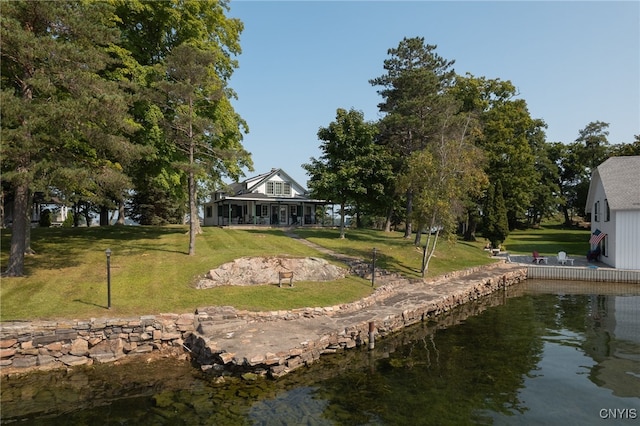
152	273
397	254
549	239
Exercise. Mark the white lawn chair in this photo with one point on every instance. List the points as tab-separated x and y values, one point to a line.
563	259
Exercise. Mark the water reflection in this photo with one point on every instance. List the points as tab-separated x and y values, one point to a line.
524	356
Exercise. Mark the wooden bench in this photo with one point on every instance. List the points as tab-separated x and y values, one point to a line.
285	275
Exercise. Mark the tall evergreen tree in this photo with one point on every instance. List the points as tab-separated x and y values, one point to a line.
412	86
201	122
496	226
61	116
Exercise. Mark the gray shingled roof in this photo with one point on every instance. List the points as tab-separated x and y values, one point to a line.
621	181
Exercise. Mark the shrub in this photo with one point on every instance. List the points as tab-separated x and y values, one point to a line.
68	222
45	218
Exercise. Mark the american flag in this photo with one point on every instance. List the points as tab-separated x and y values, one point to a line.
596	237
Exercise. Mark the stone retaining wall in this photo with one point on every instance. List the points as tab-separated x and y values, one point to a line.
47	345
357	334
57	344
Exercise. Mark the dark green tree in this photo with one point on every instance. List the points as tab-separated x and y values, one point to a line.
201	122
546	195
626	149
478	96
440	177
506	132
496	226
414	80
61	113
575	163
594	145
151	30
345	172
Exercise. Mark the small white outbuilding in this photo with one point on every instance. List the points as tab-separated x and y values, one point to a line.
614	204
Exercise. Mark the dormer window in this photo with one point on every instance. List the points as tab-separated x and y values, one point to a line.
278	188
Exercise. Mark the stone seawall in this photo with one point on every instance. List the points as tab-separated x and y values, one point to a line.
45	345
288	340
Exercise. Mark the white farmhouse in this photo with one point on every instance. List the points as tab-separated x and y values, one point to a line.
268	199
614	204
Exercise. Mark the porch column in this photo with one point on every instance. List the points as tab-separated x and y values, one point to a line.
253	210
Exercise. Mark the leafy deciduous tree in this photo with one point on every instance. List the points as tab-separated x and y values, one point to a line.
344	172
440	175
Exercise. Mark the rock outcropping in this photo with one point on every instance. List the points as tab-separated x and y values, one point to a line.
264	270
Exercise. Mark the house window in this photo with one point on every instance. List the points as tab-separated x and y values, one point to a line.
265	210
604	246
596	212
278	188
209	211
607	211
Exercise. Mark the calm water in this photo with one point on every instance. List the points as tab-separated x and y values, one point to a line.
527	356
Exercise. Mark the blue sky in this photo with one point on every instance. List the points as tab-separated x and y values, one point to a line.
572	62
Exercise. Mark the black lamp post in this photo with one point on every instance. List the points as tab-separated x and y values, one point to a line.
108	253
373	269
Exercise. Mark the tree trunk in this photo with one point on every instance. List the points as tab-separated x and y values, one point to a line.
342	219
407	222
15	267
427	252
567	219
472	226
27	234
104	216
387	222
120	220
418	238
194	219
76	215
87	215
2	224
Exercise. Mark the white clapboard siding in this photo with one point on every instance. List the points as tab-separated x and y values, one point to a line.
583	274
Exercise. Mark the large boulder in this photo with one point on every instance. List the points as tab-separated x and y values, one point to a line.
265	270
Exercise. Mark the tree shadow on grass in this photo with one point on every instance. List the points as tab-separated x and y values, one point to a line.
59	248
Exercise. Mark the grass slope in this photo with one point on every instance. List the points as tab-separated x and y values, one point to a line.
151	272
549	239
